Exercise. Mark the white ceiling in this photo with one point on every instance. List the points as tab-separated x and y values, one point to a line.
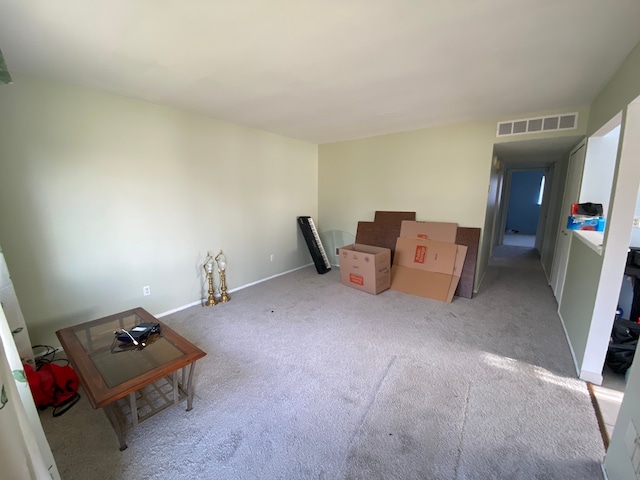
329	70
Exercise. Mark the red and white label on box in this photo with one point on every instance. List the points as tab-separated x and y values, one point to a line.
421	254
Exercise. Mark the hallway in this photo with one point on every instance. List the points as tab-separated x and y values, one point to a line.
607	397
519	240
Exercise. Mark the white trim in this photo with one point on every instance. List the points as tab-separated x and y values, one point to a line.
504	206
169	312
557	283
269	278
201	301
606	129
475	290
591	377
545	273
573	354
616	239
604	471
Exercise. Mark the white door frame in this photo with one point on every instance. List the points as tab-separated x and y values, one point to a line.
561	259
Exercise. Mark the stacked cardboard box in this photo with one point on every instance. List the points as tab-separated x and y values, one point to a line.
365	267
427	261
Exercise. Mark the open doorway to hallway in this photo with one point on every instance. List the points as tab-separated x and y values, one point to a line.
526	194
548	155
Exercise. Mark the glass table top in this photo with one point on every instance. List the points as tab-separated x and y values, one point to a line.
118	362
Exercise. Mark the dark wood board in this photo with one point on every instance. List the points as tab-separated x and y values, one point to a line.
471	238
393	217
378	234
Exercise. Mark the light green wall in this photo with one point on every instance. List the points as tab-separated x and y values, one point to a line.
440	173
621	90
101	195
430	171
583	275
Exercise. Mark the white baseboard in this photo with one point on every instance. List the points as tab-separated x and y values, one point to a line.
546	275
586	375
201	301
269	278
169	312
573	354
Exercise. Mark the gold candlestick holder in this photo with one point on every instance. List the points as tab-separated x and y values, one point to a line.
221	260
208	269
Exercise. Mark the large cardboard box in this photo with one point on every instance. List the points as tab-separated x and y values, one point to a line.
436	231
365	267
427	268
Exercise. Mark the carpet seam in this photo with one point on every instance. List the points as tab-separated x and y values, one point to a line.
366	413
464	424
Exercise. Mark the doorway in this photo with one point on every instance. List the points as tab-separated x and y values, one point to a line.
548	155
525	200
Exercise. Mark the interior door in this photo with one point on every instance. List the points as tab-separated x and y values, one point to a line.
563	243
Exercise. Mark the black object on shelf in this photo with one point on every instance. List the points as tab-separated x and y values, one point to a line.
590	209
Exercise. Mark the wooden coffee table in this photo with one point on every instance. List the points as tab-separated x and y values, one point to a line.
147	375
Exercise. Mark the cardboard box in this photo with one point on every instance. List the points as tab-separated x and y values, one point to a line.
365	267
436	231
583	222
427	268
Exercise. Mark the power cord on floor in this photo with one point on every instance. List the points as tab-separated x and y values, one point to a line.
48	356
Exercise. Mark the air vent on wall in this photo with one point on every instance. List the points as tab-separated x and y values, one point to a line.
549	123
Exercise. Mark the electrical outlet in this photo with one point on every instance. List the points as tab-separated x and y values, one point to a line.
636	222
272	257
146	290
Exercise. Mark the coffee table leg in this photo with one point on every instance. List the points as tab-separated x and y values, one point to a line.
190	387
113	419
134	409
176	391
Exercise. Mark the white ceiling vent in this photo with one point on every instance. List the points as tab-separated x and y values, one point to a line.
550	123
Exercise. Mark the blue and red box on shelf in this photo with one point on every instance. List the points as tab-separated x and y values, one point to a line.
585	222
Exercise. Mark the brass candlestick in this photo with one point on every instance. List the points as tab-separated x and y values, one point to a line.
221	260
208	269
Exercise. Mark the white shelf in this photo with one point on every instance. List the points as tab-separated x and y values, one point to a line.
593	240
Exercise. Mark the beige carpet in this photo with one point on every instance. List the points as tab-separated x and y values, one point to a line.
308	379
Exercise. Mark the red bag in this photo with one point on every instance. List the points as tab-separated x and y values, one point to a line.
53	385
